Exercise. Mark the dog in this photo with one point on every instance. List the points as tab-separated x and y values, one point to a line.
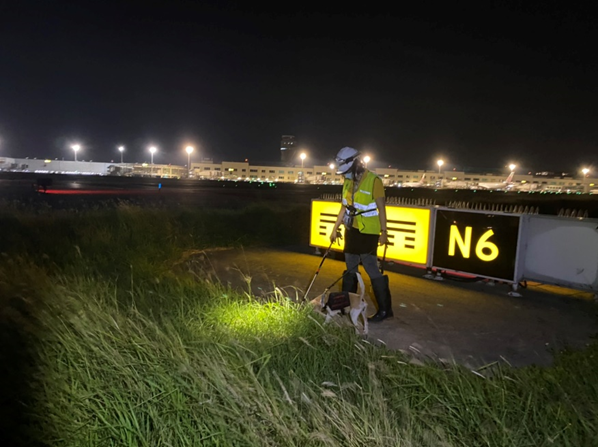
357	310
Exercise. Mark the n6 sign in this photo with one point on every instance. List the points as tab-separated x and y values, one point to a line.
478	243
464	244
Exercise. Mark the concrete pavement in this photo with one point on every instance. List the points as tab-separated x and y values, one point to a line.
470	323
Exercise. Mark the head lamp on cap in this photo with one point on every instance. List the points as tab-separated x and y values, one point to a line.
345	159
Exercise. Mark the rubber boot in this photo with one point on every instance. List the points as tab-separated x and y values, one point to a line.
349	282
382	294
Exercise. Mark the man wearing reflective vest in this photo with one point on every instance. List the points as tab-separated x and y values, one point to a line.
363	214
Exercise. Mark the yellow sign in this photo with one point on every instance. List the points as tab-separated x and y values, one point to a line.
323	217
408	231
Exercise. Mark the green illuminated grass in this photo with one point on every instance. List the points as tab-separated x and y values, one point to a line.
165	358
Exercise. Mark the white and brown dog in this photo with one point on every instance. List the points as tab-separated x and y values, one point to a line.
357	310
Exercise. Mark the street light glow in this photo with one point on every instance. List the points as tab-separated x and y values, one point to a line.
366	160
189	149
585	171
512	167
121	149
302	156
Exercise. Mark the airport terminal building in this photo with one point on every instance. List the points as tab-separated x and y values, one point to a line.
47	166
283	172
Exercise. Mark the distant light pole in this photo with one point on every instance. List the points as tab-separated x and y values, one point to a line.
189	149
152	151
366	160
585	171
121	149
301	176
75	148
439	163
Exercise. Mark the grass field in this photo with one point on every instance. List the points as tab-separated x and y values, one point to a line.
110	338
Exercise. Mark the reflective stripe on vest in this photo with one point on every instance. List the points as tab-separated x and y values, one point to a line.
367	219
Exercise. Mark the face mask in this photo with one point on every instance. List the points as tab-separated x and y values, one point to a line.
349	175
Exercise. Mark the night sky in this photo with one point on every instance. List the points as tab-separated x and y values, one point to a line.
481	85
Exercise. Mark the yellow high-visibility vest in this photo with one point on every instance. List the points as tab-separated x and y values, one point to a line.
366	220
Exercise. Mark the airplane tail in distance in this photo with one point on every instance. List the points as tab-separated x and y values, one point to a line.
510	177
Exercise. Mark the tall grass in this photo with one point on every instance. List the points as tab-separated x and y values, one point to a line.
178	361
113	240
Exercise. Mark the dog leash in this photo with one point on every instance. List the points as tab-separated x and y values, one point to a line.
317	271
357	266
341	277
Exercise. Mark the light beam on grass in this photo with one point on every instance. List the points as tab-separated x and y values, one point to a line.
264	320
